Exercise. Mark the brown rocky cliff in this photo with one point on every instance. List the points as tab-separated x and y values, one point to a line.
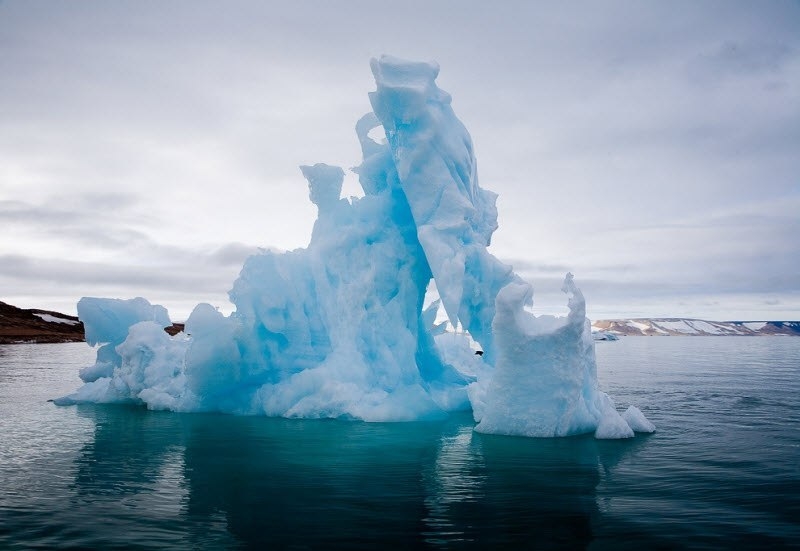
18	325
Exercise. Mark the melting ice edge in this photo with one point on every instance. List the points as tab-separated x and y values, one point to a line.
339	329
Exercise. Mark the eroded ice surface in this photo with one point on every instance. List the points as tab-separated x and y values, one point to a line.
339	329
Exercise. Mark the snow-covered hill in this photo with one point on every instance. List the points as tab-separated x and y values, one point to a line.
694	327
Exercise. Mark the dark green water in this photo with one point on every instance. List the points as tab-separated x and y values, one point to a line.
723	470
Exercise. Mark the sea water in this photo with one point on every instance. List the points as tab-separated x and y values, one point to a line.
722	470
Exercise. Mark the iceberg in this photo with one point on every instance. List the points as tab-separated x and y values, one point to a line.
345	327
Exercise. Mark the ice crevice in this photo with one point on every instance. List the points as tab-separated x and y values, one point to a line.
339	329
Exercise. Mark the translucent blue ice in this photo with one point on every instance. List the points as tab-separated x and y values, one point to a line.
340	329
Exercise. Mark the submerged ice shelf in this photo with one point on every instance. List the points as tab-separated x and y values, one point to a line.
339	329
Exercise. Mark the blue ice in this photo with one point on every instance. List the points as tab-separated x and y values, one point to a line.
340	329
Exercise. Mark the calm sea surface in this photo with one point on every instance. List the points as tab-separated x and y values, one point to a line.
722	470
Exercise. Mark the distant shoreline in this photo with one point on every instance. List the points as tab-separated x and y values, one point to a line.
688	327
33	326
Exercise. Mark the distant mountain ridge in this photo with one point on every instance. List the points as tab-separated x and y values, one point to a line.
664	327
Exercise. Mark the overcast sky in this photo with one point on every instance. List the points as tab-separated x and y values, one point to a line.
652	148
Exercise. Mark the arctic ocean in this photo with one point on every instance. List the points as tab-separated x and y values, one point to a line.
720	472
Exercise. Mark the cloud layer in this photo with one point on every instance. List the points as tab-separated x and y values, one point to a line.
651	148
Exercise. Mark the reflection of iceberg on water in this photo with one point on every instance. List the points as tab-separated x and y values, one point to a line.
340	329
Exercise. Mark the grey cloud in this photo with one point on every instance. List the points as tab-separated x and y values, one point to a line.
77	206
179	279
95	236
233	254
170	265
613	298
100	201
99	221
594	124
27	269
746	137
740	58
23	212
528	265
532	268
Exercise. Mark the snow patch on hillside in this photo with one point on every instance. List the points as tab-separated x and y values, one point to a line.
54	319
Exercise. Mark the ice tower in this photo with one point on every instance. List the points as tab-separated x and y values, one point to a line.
338	329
